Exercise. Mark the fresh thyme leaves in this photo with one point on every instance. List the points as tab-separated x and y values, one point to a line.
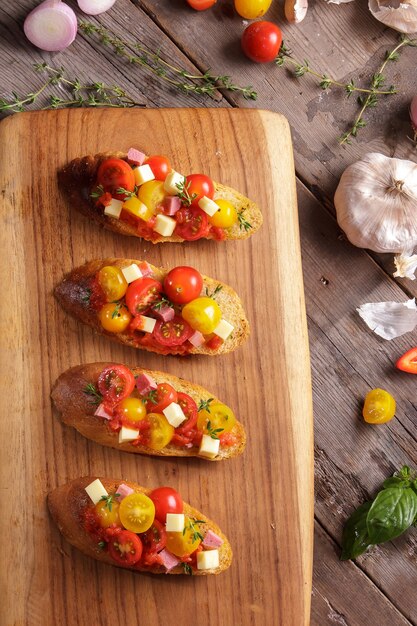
377	80
151	397
191	526
215	292
243	223
187	569
108	500
161	303
213	432
183	193
96	94
98	192
176	77
204	405
129	194
94	396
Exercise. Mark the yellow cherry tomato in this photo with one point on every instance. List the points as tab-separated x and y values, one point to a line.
112	282
161	431
379	407
133	409
114	317
217	416
202	314
184	543
251	9
108	512
226	216
136	207
137	512
152	194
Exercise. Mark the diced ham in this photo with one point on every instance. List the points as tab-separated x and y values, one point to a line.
169	560
101	412
165	313
123	491
145	384
197	339
145	268
136	156
211	540
171	205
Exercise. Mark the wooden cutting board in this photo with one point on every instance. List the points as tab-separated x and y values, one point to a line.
262	500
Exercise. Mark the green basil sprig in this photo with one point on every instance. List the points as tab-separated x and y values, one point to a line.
392	512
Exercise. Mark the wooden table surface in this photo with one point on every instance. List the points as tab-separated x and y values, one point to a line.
351	458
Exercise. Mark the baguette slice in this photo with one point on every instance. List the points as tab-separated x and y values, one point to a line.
77	178
72	294
73	404
67	502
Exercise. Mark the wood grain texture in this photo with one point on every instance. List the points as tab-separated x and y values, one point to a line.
266	494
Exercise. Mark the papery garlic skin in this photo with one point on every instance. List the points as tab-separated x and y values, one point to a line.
389	319
401	16
405	266
376	203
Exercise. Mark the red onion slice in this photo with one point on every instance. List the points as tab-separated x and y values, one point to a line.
51	26
95	7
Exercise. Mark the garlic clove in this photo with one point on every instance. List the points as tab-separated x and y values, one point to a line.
295	10
401	16
405	266
389	319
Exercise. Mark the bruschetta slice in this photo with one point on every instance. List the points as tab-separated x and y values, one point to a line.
120	523
142	196
176	312
147	412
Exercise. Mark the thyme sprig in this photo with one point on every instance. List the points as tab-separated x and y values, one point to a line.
187	569
191	526
94	396
215	291
109	499
176	77
213	432
243	222
116	311
184	194
152	396
161	303
377	80
96	94
204	405
128	194
98	192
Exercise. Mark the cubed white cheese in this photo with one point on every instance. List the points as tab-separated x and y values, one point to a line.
208	559
131	273
208	206
174	414
223	329
96	490
164	225
127	434
147	324
143	174
175	522
172	180
209	447
114	208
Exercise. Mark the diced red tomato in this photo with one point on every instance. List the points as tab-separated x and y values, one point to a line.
214	343
192	223
228	439
141	294
155	539
97	296
218	233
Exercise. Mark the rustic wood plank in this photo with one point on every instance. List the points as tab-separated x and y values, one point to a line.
342	593
249	498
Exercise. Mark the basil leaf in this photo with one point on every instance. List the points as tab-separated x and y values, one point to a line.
396	481
392	512
355	538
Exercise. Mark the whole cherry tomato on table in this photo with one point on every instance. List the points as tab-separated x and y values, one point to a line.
201	5
379	407
261	41
251	9
183	284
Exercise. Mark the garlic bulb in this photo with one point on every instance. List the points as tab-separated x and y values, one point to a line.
401	16
376	204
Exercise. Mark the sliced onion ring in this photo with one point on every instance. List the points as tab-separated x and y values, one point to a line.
95	7
51	26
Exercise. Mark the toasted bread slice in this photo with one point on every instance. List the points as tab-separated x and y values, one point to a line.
67	502
72	294
78	177
76	410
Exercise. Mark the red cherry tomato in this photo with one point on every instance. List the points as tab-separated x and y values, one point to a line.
408	362
199	185
190	410
125	548
155	539
192	223
141	294
165	394
115	173
166	500
201	5
172	333
160	166
183	284
115	383
261	41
